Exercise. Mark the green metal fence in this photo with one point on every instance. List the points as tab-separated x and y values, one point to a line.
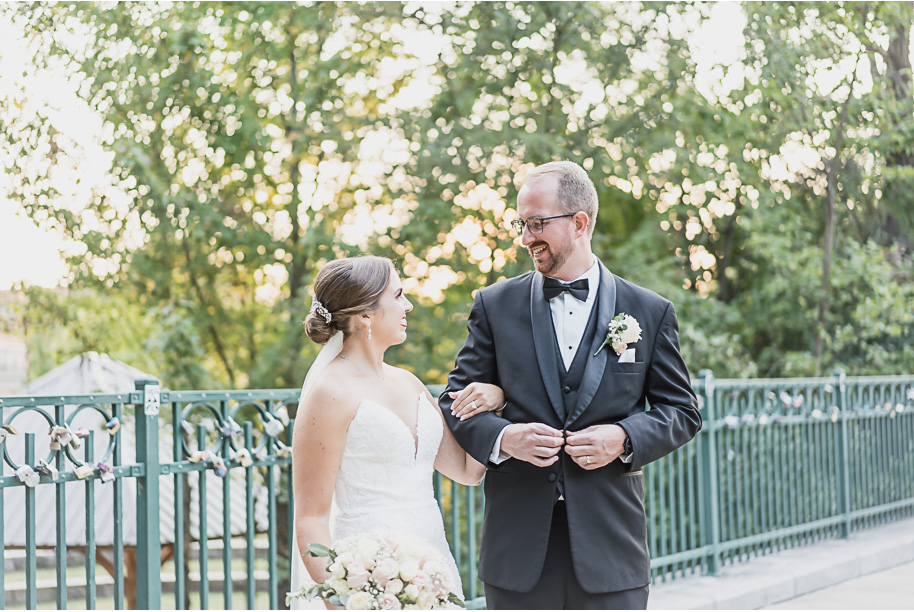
778	464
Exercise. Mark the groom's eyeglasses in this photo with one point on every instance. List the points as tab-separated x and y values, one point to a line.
535	224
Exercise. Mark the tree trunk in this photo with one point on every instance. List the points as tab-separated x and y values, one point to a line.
897	193
827	259
725	289
829	249
202	301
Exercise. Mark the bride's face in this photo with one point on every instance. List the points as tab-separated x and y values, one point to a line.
388	322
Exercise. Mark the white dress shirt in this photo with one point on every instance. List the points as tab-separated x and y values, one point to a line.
570	315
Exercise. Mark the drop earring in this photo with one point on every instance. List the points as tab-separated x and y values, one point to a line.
369	330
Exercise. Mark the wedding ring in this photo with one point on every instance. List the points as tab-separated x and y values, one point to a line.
473	404
587	460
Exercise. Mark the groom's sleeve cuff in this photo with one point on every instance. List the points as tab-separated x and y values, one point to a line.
497	455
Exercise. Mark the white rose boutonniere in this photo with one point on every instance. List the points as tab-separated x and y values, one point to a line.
624	329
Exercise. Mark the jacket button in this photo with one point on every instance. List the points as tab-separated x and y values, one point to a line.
567	389
551	477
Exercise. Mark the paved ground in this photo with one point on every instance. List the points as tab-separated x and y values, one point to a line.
872	570
891	589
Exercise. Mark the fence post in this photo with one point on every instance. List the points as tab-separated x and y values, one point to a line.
148	545
844	459
707	459
31	528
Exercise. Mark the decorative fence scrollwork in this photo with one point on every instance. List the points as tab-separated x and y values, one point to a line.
778	463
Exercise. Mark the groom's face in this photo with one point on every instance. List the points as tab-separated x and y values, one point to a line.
550	249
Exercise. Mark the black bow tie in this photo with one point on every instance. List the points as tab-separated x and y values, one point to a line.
554	288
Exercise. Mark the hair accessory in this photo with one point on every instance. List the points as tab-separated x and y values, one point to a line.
319	308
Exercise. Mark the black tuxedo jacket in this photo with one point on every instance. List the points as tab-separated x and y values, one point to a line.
511	344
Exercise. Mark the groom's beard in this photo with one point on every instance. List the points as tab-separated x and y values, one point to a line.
551	262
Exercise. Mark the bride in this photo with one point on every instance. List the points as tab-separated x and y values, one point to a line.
368	435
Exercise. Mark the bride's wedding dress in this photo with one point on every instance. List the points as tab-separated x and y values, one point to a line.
384	481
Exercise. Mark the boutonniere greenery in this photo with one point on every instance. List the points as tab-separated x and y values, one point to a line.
624	329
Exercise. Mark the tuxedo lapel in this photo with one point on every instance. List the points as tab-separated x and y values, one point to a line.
596	358
544	342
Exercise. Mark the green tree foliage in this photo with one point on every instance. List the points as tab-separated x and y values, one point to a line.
777	190
58	324
520	84
252	142
223	119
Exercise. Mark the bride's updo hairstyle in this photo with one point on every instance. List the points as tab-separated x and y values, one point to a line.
347	288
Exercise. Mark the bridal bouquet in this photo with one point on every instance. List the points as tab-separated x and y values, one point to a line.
382	571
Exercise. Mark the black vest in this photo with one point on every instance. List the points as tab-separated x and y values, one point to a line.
572	378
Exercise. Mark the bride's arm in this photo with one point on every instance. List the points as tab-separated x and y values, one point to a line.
452	460
317	449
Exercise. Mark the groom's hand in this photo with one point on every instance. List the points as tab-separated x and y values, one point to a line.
596	446
535	443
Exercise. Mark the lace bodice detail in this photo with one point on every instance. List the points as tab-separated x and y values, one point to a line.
383	467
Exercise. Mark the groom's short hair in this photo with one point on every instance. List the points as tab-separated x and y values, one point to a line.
575	191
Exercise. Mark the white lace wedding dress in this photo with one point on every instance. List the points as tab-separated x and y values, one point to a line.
384	481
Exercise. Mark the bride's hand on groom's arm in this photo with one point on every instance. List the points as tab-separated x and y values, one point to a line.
476	398
535	443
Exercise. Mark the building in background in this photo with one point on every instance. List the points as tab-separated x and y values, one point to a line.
14	363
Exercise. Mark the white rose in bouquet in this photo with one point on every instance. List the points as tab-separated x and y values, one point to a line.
433	566
421	579
337	569
408	569
394	586
382	571
386	601
339	585
359	601
427	601
357	576
367	552
385	571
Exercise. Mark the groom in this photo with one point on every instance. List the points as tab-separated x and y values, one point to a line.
564	519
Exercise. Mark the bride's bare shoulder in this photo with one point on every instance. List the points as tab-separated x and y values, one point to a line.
330	398
405	377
